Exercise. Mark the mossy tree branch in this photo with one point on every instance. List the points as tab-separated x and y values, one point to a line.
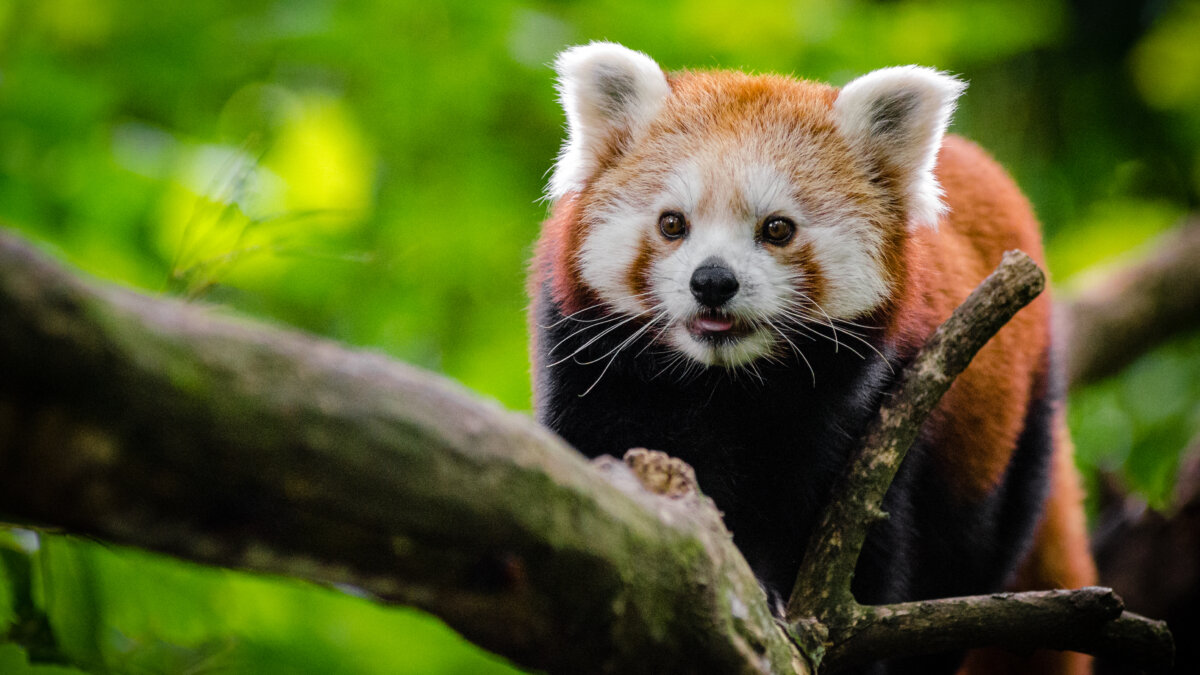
169	427
1089	620
152	423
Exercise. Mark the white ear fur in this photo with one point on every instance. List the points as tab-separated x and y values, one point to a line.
610	94
896	117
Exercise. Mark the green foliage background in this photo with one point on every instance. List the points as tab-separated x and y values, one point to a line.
371	170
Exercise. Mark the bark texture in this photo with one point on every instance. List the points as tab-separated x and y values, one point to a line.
1090	620
174	428
838	632
823	583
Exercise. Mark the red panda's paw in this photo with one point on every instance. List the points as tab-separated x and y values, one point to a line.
661	473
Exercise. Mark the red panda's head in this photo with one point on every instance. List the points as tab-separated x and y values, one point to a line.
725	207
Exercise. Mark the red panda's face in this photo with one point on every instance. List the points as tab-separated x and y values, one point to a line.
727	241
733	213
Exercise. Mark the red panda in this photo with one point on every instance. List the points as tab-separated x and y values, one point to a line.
735	270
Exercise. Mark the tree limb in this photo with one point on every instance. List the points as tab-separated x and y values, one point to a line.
1089	620
823	584
1129	311
166	426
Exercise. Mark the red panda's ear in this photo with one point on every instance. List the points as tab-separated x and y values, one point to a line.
896	118
610	94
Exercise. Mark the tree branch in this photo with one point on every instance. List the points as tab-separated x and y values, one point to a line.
823	584
1133	309
166	426
169	427
1088	620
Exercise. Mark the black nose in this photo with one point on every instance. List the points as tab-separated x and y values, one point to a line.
713	283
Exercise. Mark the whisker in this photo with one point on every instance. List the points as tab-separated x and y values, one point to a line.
827	319
801	311
625	342
572	316
752	368
844	322
870	346
616	352
802	323
670	365
589	343
796	349
651	341
597	324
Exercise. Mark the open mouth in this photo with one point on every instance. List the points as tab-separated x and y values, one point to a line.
717	327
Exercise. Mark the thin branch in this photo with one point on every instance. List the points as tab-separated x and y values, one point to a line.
152	423
1087	620
822	586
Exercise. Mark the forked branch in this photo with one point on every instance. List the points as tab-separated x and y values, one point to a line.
1088	620
166	426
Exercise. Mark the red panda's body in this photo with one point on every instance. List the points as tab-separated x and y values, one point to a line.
736	268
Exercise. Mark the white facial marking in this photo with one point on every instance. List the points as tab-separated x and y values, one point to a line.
854	283
725	197
726	184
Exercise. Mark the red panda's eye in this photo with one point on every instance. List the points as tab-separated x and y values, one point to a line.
778	230
672	225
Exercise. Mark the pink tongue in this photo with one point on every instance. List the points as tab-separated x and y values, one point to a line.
713	325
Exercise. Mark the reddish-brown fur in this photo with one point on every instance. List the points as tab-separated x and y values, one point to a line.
727	109
555	258
1059	559
984	411
982	414
975	427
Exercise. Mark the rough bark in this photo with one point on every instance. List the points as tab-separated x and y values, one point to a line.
170	427
1090	620
822	609
823	584
1134	308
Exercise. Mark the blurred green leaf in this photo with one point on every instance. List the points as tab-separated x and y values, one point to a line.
8	614
371	171
1138	422
13	661
124	611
